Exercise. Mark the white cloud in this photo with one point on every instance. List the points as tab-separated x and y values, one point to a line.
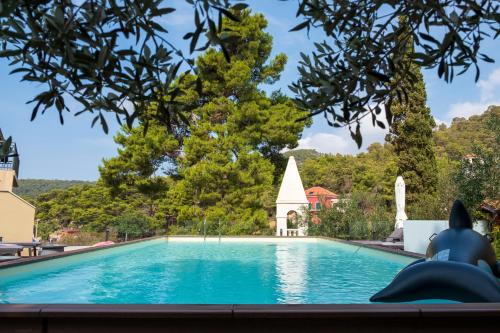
491	86
489	91
340	141
439	122
325	143
467	109
182	16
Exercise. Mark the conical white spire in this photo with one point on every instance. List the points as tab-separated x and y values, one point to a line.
292	190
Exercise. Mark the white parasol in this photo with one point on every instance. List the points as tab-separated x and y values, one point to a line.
400	203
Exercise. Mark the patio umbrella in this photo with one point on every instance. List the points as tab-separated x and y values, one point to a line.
400	203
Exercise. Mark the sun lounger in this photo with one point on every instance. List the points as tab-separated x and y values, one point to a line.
8	258
9	249
396	236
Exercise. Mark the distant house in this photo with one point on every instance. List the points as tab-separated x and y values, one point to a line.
17	216
320	198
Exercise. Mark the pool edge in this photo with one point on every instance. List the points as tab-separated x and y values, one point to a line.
252	318
30	260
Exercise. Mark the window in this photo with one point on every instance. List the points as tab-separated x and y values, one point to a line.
309	206
318	205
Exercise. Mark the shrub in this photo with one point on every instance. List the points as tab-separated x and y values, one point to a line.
496	239
358	216
133	225
83	238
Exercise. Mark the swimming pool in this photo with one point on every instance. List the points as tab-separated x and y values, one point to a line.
193	271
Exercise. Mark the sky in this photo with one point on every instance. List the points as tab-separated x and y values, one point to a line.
74	150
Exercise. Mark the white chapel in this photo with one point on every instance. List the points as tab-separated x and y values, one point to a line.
291	198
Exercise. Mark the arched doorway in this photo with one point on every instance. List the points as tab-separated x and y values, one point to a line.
292	223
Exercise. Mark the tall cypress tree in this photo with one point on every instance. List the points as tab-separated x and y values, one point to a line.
411	132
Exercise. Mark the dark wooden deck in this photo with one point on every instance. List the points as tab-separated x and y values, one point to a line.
250	318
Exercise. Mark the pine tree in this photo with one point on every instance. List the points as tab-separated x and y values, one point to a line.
229	162
411	133
228	167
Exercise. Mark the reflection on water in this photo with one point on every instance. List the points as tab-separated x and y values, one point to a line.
291	269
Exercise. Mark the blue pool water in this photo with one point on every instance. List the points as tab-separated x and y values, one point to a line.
212	272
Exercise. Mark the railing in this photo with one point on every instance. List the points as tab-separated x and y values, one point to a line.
292	232
10	165
11	161
6	165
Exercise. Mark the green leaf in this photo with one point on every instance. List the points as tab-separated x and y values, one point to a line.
228	14
380	76
356	136
301	26
104	124
164	11
380	124
484	57
429	38
10	53
103	54
239	6
126	52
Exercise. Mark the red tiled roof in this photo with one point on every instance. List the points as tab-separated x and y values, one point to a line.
319	191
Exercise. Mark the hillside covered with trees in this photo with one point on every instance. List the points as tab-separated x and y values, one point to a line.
367	179
32	188
374	171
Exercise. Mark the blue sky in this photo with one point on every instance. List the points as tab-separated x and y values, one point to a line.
74	150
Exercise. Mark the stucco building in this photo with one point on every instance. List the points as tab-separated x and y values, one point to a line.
17	216
319	198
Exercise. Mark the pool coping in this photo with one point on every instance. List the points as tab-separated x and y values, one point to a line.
248	310
30	260
378	247
385	318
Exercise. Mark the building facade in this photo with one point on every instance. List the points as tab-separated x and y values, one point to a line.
319	198
17	216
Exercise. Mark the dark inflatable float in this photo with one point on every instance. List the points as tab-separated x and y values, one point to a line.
460	265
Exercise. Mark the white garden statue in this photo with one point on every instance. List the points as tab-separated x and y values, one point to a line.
400	203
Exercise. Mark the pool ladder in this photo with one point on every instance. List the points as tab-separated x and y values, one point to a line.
205	230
